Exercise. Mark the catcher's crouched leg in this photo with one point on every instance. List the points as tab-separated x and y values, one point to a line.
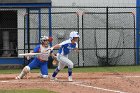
43	76
24	72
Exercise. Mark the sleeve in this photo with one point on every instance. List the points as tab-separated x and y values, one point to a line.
64	42
36	49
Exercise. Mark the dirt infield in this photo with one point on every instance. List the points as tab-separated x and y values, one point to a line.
83	83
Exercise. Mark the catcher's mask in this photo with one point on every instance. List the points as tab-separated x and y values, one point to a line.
44	38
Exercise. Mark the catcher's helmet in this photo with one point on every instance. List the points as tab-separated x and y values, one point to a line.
73	34
43	38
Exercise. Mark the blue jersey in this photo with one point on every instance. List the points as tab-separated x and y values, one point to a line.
66	47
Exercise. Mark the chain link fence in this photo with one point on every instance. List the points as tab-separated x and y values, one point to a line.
107	34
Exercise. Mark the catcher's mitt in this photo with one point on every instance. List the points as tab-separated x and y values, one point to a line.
55	62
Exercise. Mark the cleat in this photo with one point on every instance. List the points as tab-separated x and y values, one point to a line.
44	76
70	78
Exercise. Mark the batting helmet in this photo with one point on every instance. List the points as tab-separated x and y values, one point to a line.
73	34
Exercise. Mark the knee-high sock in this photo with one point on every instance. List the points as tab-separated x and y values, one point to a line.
55	72
70	71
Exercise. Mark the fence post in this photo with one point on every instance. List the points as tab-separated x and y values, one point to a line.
79	33
50	25
39	23
83	38
28	29
137	31
106	35
25	28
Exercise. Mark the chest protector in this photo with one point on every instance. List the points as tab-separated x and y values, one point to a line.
45	54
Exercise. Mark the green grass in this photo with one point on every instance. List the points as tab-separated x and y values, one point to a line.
83	69
109	69
27	91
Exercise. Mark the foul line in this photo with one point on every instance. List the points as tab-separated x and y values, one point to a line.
82	85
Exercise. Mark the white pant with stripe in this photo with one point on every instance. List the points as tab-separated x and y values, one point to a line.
64	61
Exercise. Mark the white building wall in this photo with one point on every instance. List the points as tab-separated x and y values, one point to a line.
110	3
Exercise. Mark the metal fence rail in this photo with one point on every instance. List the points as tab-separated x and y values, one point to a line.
107	34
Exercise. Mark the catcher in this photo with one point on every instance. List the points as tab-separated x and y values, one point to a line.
40	60
62	56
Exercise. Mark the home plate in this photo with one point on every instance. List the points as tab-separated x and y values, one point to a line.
4	81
